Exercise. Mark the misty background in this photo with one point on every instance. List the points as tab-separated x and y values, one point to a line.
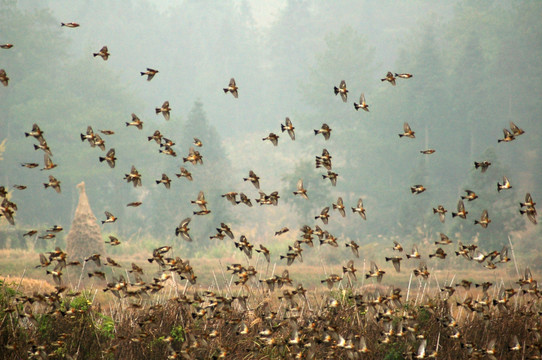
476	65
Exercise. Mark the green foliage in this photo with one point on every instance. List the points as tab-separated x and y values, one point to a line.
106	326
80	303
178	333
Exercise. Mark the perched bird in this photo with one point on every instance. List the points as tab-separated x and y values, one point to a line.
441	211
325	130
288	127
508	136
515	129
332	176
150	73
164	180
301	190
390	78
403	76
109	157
471	195
505	184
69	25
417	189
134	176
274	138
339	206
54	183
483	165
360	209
341	90
6	46
165	109
232	87
324	216
253	178
104	53
362	104
183	229
4	79
407	131
484	220
135	122
109	218
461	212
185	173
428	151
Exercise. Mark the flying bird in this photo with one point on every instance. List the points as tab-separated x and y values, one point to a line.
135	122
508	136
441	211
324	216
54	183
150	73
417	189
185	173
428	151
194	157
164	180
407	131
505	184
109	157
109	218
6	46
339	206
4	79
403	76
325	130
134	176
232	87
341	90
461	212
360	209
301	190
332	176
48	163
165	109
183	229
515	129
483	165
253	178
288	127
69	25
484	220
471	195
104	53
362	104
274	138
390	78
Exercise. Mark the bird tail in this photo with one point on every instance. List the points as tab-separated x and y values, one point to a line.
127	124
476	165
357	106
225	90
315	132
498	187
36	147
282	127
62	24
46	185
401	135
158	110
142	73
336	90
26	134
413	189
82	137
101	159
95	54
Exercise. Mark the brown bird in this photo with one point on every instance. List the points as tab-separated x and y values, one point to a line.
164	180
390	78
48	163
165	109
484	220
415	254
30	165
339	206
156	136
403	76
439	253
43	146
324	216
107	132
332	176
461	212
109	157
375	272
265	252
6	46
135	122
109	218
134	204
360	209
444	240
19	187
407	131
150	73
253	178
54	183
396	261
36	132
508	136
354	247
301	190
194	157
113	241
104	53
183	229
331	280
397	246
325	130
69	25
288	127
362	104
515	129
484	165
197	142
505	184
134	176
471	195
417	189
428	151
274	138
200	201
281	231
441	211
4	79
341	90
232	87
185	173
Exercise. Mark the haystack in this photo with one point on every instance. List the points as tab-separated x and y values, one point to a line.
85	236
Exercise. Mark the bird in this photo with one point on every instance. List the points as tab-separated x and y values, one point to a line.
461	212
185	173
428	151
375	272
232	87
354	247
164	180
197	142
301	190
403	76
441	211
288	126
150	73
135	122
505	184
484	220
324	216
339	206
360	209
165	109
200	201
415	254
54	183
325	130
104	53
156	136
417	189
4	79
341	90
439	253
113	241
245	200
471	195
134	204
98	141
274	138
43	146
508	136
332	176
109	157
70	24
183	229
331	280
109	218
390	78
30	165
6	46
48	162
107	132
362	104
396	261
265	252
194	157
397	246
253	178
324	160
515	129
483	165
444	240
407	131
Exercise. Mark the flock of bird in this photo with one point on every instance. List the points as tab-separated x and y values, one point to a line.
302	336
